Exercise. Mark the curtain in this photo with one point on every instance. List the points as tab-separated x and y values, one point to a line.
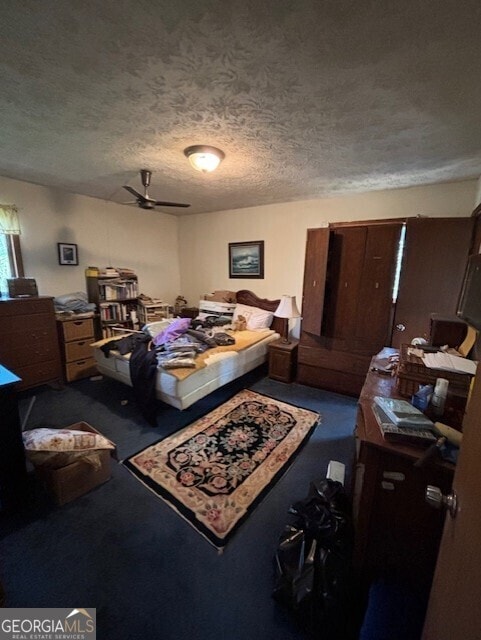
9	222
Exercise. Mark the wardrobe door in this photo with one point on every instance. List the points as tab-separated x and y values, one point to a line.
344	275
432	273
375	308
314	280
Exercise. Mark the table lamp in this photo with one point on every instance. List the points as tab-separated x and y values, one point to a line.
287	309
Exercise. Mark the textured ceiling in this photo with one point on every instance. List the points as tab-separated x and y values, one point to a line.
307	98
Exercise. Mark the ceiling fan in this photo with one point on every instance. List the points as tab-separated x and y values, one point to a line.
144	201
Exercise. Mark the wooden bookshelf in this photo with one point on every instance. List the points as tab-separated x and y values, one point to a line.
116	298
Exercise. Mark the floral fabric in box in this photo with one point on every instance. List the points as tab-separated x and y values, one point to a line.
59	447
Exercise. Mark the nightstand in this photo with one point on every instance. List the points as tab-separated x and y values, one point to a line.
283	360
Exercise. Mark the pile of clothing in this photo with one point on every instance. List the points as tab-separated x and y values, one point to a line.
178	344
167	344
74	303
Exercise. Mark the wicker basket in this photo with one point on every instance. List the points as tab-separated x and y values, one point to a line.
412	372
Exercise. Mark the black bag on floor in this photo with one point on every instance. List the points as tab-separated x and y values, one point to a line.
313	561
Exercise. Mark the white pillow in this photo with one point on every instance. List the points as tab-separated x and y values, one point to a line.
257	319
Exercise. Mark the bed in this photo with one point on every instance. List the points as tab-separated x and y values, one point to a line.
218	366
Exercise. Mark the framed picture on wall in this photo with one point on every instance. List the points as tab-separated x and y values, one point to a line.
67	253
246	259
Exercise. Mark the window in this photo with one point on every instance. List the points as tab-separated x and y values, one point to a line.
11	265
5	269
10	260
399	259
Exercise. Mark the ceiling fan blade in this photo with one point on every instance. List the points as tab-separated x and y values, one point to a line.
144	201
135	193
161	203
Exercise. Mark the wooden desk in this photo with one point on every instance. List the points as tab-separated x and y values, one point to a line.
396	530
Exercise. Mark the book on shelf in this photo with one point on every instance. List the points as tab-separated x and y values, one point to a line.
408	435
114	311
117	290
402	413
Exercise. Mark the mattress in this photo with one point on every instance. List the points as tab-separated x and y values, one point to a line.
220	369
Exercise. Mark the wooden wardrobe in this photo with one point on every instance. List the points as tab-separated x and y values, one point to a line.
348	309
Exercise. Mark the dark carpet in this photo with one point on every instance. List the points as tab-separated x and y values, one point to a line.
122	550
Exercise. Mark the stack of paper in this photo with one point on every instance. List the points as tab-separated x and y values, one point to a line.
448	362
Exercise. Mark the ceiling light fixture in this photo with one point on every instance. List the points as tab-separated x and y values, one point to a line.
204	158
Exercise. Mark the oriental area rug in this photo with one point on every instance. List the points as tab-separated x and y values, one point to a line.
215	471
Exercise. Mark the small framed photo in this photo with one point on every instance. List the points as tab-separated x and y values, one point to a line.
67	253
246	259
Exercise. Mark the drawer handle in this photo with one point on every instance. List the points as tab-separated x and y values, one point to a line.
388	486
81	344
80	362
78	322
397	476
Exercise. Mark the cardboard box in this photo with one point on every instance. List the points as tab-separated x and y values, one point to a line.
70	482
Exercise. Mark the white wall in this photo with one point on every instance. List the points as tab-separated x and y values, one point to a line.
151	242
204	238
107	234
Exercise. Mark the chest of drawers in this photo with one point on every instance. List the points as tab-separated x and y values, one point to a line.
28	344
75	337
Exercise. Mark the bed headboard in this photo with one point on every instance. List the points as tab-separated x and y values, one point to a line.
244	296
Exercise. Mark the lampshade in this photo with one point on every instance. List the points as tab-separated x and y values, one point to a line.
204	158
287	308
